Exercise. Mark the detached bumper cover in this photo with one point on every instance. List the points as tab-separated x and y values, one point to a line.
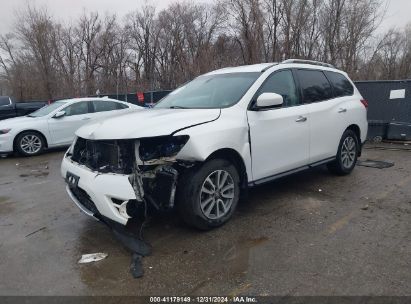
97	192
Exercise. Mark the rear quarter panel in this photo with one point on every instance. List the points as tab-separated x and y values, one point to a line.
359	116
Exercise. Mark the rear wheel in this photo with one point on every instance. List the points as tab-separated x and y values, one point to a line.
347	154
208	196
30	143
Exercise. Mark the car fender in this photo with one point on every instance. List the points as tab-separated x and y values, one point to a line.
40	127
229	131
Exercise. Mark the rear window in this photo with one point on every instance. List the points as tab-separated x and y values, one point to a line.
104	106
314	85
121	106
4	101
341	85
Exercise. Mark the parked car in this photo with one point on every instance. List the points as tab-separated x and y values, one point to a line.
54	125
206	142
10	109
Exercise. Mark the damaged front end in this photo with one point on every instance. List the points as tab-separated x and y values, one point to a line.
155	173
149	163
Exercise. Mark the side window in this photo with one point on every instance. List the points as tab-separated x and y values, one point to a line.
78	108
104	106
341	85
315	86
121	106
283	84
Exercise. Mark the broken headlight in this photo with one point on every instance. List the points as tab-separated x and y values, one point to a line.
161	146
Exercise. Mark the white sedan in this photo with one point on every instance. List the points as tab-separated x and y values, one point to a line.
54	125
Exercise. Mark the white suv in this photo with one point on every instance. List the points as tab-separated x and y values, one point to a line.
209	140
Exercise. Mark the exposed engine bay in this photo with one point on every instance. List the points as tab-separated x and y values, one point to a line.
150	164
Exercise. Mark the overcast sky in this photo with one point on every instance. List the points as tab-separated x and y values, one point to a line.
398	13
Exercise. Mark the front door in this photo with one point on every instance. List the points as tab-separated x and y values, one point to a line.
279	136
62	129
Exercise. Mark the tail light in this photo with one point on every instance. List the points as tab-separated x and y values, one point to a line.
365	103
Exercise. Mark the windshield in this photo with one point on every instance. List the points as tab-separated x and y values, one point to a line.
47	109
210	91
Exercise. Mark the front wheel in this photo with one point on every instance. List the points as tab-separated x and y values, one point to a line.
208	196
30	143
347	154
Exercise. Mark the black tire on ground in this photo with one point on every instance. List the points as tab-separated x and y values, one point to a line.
189	194
36	140
340	165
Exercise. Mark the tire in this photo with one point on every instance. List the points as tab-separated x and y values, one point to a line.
30	143
347	154
195	196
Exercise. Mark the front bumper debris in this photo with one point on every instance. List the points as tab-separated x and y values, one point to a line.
113	181
99	194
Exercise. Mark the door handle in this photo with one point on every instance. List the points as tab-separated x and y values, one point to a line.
301	119
342	110
86	118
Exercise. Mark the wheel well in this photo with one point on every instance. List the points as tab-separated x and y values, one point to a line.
357	132
33	131
235	158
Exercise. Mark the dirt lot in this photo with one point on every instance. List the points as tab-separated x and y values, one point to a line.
307	234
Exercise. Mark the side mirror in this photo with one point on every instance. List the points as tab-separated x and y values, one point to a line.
59	114
267	100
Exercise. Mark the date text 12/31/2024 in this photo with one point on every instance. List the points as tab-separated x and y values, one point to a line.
204	299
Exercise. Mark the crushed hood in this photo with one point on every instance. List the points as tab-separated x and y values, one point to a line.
146	123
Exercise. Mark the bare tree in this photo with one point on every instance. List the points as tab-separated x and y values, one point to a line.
153	49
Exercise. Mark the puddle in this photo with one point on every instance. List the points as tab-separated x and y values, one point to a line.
31	164
96	237
4	199
37	170
257	241
240	251
233	261
375	164
35	173
6	206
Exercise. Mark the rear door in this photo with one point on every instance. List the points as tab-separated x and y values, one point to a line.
279	136
105	108
62	129
328	114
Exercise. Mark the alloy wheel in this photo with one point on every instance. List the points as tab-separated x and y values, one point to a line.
217	194
348	152
31	144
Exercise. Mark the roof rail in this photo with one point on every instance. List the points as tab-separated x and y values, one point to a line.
313	62
269	67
